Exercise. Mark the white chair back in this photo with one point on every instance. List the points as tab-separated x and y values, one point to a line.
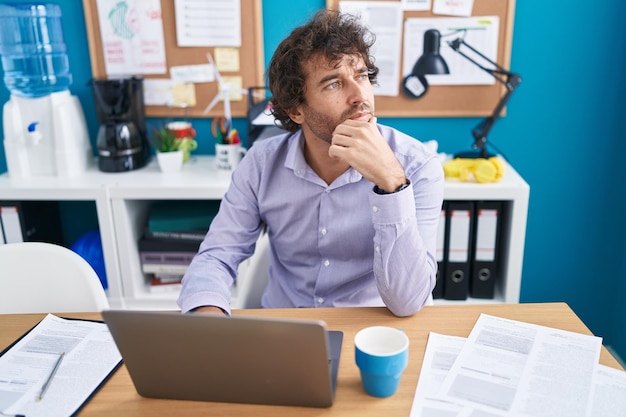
253	276
38	277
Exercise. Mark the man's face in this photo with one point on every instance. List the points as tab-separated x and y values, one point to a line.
334	94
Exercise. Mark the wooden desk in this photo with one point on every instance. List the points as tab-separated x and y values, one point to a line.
118	396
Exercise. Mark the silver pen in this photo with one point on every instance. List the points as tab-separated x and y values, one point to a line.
51	376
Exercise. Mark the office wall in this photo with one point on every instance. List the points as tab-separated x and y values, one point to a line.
618	336
564	133
617	224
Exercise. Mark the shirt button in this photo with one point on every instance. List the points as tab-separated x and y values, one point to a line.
377	249
375	209
320	300
324	231
326	262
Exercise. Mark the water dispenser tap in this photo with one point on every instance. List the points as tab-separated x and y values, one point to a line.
34	136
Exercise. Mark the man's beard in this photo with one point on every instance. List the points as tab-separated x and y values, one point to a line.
323	125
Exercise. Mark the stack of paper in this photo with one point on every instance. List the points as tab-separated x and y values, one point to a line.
511	368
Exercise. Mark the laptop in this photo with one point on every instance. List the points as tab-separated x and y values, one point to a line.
228	359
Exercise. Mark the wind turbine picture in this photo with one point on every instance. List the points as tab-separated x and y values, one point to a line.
224	90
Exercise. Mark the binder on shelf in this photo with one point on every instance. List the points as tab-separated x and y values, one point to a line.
458	240
28	221
441	253
2	240
486	248
11	224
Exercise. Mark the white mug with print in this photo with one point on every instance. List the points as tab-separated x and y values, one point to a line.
227	156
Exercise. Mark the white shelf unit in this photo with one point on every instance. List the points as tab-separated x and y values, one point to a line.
123	199
514	192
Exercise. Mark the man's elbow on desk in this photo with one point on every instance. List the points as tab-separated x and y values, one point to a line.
209	310
410	306
404	311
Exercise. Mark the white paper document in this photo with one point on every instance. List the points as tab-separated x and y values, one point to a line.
549	370
415	5
609	398
132	36
208	22
441	352
384	19
89	357
202	73
453	7
158	91
519	369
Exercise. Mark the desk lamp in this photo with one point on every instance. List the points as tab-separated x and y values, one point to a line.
415	84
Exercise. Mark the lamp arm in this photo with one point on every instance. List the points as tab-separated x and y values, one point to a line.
510	81
483	128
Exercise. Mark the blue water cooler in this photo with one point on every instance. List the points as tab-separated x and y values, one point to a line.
45	133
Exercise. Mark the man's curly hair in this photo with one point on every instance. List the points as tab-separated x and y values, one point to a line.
328	34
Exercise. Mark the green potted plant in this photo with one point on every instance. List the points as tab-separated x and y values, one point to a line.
169	155
164	140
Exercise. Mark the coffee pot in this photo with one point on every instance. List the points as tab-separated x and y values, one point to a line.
122	140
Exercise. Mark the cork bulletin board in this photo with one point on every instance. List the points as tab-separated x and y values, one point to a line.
454	100
251	58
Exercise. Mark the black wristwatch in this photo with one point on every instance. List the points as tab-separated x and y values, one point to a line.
400	188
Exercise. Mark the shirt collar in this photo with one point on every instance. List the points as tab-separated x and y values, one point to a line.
296	162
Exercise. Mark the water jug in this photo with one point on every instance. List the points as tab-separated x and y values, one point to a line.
45	133
34	56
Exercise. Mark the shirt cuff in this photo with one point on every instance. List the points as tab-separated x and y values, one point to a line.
392	208
204	299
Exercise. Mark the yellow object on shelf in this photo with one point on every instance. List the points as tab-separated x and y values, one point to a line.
480	169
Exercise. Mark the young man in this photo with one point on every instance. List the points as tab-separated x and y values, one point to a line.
351	206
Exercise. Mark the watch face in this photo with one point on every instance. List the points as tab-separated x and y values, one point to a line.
402	187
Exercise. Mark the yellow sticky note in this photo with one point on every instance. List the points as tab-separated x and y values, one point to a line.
235	83
227	59
184	95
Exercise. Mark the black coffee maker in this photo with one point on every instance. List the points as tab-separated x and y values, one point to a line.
122	138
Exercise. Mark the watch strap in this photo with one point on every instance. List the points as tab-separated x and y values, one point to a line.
400	188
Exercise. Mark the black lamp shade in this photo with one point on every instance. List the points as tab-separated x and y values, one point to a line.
431	62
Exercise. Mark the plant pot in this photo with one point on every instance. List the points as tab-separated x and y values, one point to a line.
170	161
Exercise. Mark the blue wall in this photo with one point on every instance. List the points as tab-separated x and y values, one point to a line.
564	132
